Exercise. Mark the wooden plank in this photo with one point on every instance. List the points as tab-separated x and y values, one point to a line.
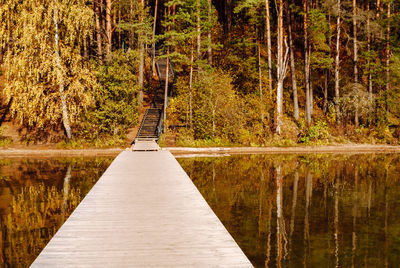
143	212
145	146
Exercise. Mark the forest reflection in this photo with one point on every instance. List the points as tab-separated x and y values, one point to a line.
36	197
306	210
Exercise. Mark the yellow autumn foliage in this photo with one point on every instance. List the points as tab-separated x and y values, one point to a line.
30	60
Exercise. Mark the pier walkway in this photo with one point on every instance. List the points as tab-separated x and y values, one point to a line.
143	212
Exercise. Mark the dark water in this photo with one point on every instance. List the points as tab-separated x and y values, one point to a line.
306	210
36	197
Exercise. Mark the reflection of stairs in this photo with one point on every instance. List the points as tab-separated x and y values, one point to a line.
152	122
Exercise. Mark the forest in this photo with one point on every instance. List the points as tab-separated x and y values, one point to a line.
248	72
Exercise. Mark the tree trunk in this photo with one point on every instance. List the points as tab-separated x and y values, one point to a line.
306	63
281	69
153	42
209	50
141	57
131	19
369	51
119	33
325	107
98	31
60	77
311	96
337	62
198	30
228	15
213	122
166	91
269	47
387	58
260	82
108	30
356	116
85	49
355	48
190	85
293	69
166	82
327	72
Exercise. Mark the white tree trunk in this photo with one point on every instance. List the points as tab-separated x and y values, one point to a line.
166	91
282	64
190	86
60	77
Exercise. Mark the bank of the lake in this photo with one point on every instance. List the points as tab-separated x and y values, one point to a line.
54	152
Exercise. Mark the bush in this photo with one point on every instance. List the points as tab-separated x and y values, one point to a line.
317	132
115	107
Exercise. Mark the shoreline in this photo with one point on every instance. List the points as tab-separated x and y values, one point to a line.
222	151
341	149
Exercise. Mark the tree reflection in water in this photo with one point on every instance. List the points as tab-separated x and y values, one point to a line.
338	210
36	197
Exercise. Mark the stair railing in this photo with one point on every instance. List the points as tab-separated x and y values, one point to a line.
160	124
141	124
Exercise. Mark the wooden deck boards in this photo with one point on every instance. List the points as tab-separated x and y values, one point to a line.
145	146
143	212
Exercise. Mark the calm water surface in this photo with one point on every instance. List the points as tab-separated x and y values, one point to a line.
36	197
306	210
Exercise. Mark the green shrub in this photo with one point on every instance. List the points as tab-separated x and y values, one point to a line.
115	107
317	132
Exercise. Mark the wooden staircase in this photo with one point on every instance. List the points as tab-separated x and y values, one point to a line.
151	126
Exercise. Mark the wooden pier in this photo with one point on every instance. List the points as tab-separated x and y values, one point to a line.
143	212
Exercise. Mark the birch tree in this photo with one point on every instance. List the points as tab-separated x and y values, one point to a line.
46	73
282	64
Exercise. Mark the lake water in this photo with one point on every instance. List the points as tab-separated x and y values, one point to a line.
36	197
283	210
306	210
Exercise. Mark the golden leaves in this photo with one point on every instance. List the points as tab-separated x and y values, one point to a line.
31	61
